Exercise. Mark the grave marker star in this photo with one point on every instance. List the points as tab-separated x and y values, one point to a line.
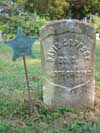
22	46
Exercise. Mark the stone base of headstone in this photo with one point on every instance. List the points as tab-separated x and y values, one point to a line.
68	63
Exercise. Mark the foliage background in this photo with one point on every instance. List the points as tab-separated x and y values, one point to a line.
32	14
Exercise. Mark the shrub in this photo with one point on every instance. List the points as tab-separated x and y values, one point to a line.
30	25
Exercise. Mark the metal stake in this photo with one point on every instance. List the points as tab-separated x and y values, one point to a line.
28	87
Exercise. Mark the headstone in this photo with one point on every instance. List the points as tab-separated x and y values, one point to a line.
68	63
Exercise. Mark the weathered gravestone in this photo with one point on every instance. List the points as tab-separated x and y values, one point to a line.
68	63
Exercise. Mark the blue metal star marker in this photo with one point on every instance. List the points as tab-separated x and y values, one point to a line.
22	44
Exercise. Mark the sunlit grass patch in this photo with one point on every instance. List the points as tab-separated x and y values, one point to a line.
34	61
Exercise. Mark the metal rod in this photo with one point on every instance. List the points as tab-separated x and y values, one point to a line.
28	87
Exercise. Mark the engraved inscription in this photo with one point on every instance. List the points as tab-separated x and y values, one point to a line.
66	60
65	43
78	73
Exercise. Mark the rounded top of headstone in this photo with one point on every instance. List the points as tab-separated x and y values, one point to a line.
67	25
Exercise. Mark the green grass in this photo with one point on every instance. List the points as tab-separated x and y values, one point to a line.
14	114
12	75
98	64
